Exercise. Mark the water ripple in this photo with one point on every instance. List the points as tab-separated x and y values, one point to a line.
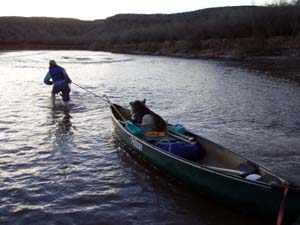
65	167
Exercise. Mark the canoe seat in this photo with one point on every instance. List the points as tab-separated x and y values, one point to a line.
246	169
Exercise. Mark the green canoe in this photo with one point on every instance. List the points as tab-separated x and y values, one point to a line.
220	175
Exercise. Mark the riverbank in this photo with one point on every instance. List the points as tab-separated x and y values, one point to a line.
278	56
233	49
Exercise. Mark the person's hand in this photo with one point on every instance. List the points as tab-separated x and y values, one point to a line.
49	82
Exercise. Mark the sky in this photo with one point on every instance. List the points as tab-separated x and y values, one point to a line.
97	9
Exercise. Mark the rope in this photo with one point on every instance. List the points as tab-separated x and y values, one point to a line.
282	205
103	97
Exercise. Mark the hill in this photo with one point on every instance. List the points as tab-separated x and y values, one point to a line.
214	32
43	32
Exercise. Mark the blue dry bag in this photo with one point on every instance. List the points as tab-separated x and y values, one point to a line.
135	130
177	128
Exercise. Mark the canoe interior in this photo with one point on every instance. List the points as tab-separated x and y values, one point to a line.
216	156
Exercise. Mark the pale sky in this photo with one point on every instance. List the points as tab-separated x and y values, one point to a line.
97	9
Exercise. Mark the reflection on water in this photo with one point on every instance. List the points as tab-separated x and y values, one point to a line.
63	126
61	130
63	167
62	119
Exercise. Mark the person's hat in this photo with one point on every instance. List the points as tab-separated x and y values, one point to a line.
52	62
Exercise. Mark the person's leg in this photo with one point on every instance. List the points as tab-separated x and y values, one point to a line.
53	99
66	96
67	104
55	91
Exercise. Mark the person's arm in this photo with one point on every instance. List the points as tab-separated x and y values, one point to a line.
47	79
67	78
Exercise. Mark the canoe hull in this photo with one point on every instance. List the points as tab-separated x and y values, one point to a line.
232	191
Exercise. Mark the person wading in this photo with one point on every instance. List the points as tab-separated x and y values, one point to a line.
59	78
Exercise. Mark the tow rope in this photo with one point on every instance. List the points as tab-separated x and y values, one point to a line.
103	97
282	206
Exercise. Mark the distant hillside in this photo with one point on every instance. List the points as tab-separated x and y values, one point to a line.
21	32
247	28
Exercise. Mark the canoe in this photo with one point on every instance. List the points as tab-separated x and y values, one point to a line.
221	174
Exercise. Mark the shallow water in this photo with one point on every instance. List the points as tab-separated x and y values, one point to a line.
65	167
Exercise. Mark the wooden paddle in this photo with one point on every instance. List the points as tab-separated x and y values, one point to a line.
175	135
236	172
188	138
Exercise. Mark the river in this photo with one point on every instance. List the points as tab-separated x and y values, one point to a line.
65	167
